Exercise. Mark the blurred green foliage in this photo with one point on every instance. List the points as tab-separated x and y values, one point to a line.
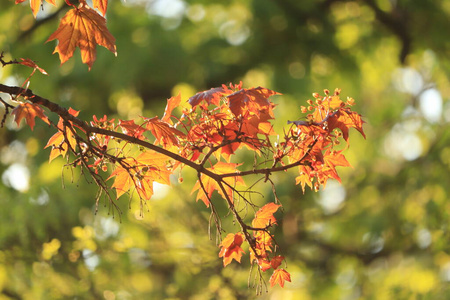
383	234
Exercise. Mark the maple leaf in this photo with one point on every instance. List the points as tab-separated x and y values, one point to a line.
276	261
155	166
344	120
211	185
279	276
59	142
263	245
132	129
82	27
231	248
125	181
264	264
333	159
101	5
304	178
211	96
36	5
171	104
29	63
140	173
264	216
163	132
254	100
29	111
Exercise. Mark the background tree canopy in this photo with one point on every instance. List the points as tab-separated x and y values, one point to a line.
383	234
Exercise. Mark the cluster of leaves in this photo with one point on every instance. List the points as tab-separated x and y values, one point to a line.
83	27
129	156
133	154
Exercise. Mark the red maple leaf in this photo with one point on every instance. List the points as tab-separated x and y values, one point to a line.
276	261
211	96
32	64
344	120
254	100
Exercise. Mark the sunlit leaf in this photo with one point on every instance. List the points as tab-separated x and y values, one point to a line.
29	111
231	248
82	27
279	276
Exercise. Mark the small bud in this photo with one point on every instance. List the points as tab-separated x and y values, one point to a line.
326	92
337	92
303	109
316	95
310	108
316	187
309	101
180	179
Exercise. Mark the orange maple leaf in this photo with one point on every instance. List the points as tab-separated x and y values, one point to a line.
279	276
304	177
164	133
29	111
264	216
132	129
171	104
59	142
274	263
36	5
82	27
127	178
333	159
231	248
263	245
140	173
154	166
211	185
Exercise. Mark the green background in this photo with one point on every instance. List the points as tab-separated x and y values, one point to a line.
382	234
